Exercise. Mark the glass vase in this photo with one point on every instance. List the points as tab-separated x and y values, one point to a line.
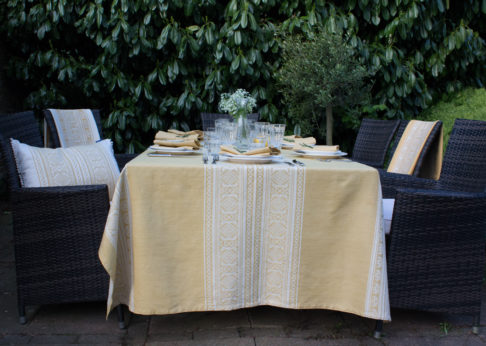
243	131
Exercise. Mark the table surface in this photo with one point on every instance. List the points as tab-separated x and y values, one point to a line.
183	236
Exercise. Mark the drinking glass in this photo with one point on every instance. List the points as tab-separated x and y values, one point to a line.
230	132
297	130
277	135
211	145
220	127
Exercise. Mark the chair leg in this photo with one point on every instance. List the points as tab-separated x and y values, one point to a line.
475	327
22	317
121	317
378	329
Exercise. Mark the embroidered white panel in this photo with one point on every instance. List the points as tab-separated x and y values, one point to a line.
75	126
252	231
80	165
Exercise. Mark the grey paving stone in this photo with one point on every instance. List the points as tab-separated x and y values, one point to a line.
170	336
208	334
107	339
430	340
213	342
474	340
14	339
196	321
53	339
269	316
269	341
263	332
357	326
69	318
406	323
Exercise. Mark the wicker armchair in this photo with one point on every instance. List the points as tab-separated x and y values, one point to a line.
121	159
436	254
463	167
374	138
57	231
208	119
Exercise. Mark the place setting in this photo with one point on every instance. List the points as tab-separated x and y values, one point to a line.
174	142
321	152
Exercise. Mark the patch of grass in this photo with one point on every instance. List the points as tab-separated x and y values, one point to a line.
469	103
445	327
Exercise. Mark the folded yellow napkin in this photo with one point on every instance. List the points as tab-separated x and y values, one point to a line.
329	148
163	136
297	139
198	133
266	151
189	143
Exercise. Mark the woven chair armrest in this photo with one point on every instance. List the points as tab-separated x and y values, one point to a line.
43	205
439	193
123	159
390	182
61	212
436	256
57	234
66	206
25	192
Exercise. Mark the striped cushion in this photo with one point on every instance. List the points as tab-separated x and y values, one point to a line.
78	165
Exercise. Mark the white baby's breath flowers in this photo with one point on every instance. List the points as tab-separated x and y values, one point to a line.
237	102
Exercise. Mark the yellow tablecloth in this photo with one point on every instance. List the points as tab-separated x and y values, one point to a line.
182	236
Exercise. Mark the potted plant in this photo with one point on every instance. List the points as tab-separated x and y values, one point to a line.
317	74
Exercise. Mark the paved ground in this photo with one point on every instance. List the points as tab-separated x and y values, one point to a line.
86	324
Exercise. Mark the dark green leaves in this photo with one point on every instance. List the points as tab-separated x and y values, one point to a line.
150	64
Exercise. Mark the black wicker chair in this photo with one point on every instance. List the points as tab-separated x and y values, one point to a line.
436	253
436	247
463	167
57	231
121	159
208	119
373	140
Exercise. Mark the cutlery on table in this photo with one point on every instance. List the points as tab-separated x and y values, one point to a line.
158	155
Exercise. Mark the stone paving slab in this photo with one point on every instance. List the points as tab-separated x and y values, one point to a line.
265	325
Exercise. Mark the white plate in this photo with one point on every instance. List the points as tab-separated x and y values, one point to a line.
255	159
313	153
175	151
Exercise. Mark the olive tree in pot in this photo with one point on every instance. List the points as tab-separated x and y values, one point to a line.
317	74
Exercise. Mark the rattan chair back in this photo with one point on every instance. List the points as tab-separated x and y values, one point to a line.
464	165
208	119
51	126
374	138
23	127
426	151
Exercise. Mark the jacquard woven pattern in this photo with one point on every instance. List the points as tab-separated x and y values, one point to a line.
253	243
410	146
80	165
75	126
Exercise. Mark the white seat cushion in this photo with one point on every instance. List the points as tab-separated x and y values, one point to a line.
78	165
388	204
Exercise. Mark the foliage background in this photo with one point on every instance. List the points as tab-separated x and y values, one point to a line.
468	103
152	64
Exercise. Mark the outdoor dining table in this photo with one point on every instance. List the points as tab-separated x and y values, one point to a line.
185	236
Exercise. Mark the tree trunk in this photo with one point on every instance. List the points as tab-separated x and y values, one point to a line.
329	125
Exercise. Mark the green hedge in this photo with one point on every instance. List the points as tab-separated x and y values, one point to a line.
152	64
469	103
